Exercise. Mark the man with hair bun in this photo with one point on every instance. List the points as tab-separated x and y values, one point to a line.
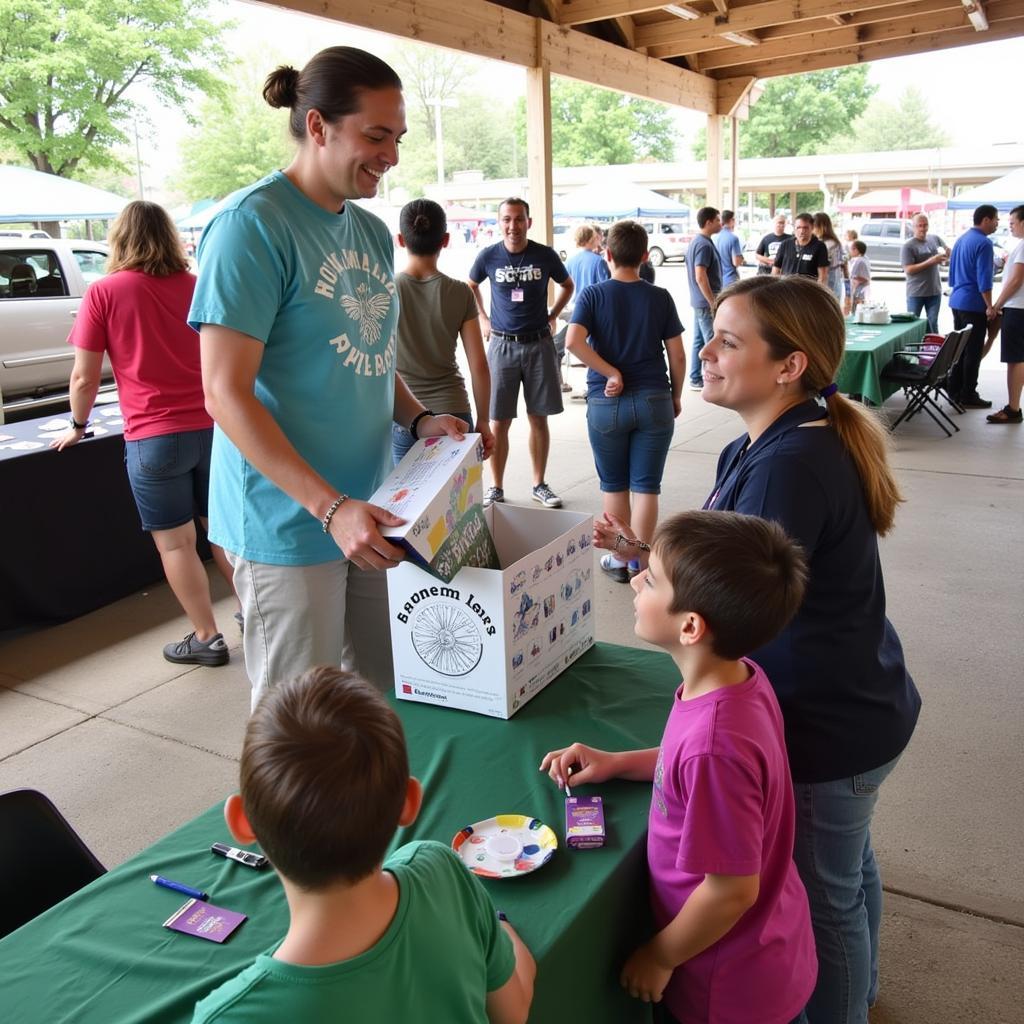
296	310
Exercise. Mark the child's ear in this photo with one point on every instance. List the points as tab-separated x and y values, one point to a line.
413	802
692	630
401	240
237	820
444	241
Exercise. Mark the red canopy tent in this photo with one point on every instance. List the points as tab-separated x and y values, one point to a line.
463	214
899	202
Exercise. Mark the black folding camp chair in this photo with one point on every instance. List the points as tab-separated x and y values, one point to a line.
924	379
42	858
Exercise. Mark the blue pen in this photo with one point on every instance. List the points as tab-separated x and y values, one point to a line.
187	890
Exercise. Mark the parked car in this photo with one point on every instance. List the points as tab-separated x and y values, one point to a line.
667	239
42	281
884	237
12	233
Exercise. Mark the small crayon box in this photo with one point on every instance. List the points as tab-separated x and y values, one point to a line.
584	822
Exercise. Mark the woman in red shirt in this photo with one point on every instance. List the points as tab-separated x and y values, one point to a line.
137	315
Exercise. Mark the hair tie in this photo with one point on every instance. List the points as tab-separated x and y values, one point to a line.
828	392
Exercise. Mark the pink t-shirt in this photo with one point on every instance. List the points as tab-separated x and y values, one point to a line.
140	321
723	804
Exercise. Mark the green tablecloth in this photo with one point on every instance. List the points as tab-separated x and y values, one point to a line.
102	956
869	348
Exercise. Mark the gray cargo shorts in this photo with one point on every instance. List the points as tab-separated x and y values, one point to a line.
531	363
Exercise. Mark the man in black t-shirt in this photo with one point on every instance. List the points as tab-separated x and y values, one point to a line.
768	247
803	254
520	348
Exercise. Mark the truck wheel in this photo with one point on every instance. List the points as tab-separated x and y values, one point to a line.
656	256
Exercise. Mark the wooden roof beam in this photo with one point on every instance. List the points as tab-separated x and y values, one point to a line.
579	12
753	17
739	57
487	30
923	43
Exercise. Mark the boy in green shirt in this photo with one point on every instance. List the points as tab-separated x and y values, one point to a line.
324	784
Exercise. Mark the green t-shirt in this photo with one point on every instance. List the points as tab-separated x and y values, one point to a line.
440	956
432	313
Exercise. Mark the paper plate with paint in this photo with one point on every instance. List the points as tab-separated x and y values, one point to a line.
505	846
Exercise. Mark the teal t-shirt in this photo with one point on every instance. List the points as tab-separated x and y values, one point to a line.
440	956
317	288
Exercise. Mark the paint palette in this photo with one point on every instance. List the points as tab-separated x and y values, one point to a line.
505	846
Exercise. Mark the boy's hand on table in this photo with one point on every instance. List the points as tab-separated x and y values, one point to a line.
644	976
585	764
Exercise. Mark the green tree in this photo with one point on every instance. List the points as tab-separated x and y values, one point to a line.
67	72
238	140
429	74
884	126
799	115
591	125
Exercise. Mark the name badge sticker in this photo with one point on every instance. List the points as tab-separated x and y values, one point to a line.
806	256
517	295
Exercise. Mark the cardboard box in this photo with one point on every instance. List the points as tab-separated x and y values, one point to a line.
491	639
437	489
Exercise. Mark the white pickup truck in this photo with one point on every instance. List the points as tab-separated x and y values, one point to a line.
42	281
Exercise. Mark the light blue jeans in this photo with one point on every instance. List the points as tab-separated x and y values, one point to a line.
703	329
837	865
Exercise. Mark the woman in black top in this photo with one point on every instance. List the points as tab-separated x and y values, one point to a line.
849	703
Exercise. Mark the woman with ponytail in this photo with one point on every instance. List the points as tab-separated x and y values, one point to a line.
824	231
296	310
817	464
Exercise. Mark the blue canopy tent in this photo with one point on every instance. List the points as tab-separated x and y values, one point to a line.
1004	193
613	200
28	196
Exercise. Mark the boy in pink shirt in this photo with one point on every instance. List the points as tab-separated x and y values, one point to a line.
734	942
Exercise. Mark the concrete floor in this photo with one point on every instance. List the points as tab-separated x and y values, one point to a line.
130	746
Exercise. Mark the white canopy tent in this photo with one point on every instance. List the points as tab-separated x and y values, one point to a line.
28	196
614	200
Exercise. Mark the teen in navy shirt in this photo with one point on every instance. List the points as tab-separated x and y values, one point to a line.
848	702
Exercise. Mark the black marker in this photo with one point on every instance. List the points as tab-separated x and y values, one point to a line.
246	857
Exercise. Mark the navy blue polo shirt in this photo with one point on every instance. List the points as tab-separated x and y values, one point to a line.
509	273
848	702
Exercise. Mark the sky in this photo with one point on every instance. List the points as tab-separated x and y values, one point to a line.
969	116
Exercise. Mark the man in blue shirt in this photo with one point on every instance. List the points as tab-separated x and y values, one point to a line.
970	282
586	266
730	252
520	347
704	274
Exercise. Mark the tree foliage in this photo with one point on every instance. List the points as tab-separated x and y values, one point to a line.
68	72
238	139
429	74
800	115
884	126
591	125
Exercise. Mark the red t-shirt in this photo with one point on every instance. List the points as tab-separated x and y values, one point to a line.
141	322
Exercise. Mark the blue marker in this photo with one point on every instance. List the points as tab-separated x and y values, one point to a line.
186	890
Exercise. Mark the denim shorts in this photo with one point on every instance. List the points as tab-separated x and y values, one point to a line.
402	440
170	477
630	436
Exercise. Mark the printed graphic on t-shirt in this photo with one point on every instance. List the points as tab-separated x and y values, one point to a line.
366	303
659	784
517	275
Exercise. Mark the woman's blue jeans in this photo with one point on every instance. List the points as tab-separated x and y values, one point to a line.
837	864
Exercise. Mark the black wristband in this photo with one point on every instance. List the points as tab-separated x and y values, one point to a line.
415	423
75	425
502	916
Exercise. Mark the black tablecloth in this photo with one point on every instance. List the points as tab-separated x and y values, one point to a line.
70	537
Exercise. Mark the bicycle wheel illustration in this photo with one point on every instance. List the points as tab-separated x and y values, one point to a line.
447	639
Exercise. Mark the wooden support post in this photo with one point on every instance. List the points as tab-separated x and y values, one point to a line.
734	145
713	196
793	211
538	144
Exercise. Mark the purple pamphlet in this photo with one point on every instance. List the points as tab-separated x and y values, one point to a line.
204	920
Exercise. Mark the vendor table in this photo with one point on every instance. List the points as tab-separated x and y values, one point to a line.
102	955
869	348
70	538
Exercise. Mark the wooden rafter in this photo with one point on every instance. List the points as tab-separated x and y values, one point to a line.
922	43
